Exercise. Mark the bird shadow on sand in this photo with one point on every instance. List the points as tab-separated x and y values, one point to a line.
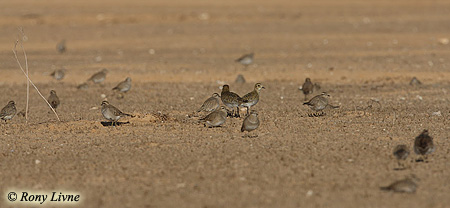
109	123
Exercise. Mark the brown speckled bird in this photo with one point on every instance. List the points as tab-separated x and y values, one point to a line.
216	118
9	111
112	113
423	144
53	99
211	104
307	87
252	98
231	99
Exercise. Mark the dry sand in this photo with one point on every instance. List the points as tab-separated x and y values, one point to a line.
178	53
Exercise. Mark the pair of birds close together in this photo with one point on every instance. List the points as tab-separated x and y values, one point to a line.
122	87
423	145
218	113
9	111
100	76
318	102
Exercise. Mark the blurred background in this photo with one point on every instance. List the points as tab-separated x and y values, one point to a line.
198	41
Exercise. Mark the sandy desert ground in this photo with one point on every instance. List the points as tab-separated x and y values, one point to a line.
180	52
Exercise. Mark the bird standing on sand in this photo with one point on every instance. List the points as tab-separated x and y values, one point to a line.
123	86
423	144
231	99
99	76
216	118
252	98
112	113
251	122
211	104
307	87
53	99
9	111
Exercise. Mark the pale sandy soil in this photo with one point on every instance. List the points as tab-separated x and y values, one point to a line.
178	53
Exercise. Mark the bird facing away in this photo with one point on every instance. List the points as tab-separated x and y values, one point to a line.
246	59
307	87
9	111
252	98
423	144
99	76
216	118
251	122
211	104
61	46
58	74
319	102
231	99
112	113
406	186
53	99
123	86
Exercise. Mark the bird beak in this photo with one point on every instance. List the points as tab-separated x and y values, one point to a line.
263	87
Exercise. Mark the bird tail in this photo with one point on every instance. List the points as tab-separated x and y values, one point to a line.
306	103
126	114
242	128
333	106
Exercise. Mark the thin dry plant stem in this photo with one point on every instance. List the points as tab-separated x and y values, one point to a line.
26	68
29	80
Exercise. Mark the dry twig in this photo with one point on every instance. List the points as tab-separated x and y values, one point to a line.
26	75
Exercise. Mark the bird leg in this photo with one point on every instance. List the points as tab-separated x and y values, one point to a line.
237	113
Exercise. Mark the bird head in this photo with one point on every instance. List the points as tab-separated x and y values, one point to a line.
225	88
258	87
105	103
